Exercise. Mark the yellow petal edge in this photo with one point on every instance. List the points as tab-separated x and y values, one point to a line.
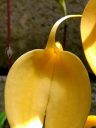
88	33
90	122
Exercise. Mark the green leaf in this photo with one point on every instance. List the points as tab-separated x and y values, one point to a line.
2	119
63	6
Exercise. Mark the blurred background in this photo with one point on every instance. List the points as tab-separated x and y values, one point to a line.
31	22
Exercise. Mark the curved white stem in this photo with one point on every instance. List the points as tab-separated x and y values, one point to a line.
51	39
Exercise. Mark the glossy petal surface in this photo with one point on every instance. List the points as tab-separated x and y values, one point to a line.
48	84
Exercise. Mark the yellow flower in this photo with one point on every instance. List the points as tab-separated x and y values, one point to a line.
48	87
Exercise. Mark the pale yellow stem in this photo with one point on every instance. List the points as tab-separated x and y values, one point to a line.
51	39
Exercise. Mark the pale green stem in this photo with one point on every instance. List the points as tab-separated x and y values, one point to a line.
65	9
51	39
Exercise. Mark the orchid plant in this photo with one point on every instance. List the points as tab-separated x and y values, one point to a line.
50	87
